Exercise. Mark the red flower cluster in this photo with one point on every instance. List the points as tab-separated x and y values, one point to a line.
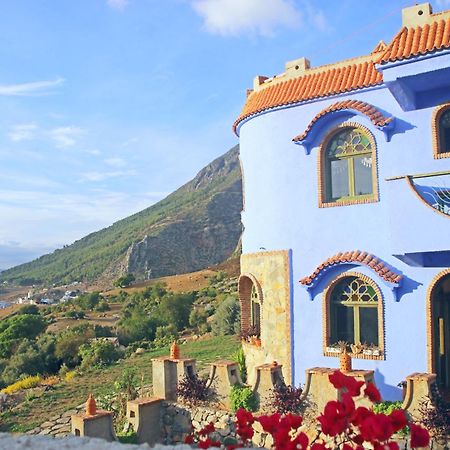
284	431
342	424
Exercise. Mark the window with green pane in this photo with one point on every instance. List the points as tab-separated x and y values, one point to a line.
255	311
444	132
353	312
348	165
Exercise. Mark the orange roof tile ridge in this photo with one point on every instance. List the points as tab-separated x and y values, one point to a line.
358	257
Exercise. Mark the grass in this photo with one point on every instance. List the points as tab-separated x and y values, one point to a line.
68	395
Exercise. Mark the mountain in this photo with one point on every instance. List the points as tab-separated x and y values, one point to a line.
196	226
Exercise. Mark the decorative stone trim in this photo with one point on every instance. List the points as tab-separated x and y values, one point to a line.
429	318
326	321
245	284
437	113
321	169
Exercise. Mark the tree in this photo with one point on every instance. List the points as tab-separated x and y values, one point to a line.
226	320
17	328
175	309
124	280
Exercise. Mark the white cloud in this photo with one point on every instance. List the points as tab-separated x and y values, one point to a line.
235	17
117	4
115	162
22	132
32	88
64	137
102	176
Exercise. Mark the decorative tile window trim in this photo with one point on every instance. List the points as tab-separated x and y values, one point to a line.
391	278
429	318
437	113
326	316
321	170
378	119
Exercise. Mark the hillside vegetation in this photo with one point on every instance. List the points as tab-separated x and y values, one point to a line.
196	226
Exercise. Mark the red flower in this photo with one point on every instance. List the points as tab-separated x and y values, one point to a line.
292	421
210	428
398	419
347	447
360	414
318	446
300	442
340	381
419	436
189	439
372	393
269	423
333	420
376	427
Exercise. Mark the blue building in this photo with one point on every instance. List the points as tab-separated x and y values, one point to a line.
346	174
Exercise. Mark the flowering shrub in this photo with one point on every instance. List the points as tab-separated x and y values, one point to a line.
24	383
342	425
287	399
192	389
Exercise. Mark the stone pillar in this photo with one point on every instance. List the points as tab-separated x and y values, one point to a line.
418	390
223	376
267	377
144	415
98	425
319	391
167	373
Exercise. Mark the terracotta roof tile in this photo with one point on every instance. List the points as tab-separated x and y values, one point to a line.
374	115
349	75
356	256
324	83
410	42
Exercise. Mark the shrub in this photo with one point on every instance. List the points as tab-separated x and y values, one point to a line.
192	389
127	437
243	397
50	381
102	306
128	383
98	353
24	383
28	309
227	317
124	280
435	416
287	399
70	375
240	359
165	335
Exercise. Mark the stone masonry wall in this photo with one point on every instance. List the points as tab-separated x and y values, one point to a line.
271	270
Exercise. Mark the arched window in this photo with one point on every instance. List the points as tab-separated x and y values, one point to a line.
441	131
353	312
250	296
255	322
348	167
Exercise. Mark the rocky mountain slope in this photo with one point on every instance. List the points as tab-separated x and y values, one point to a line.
196	226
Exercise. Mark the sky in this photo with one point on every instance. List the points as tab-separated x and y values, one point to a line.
107	106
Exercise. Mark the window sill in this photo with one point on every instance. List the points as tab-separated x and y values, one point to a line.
349	201
365	354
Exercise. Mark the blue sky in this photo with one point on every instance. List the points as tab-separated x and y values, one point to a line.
106	106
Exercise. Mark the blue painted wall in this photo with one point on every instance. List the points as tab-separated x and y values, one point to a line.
281	212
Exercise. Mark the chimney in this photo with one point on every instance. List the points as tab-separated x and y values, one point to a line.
297	67
416	15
